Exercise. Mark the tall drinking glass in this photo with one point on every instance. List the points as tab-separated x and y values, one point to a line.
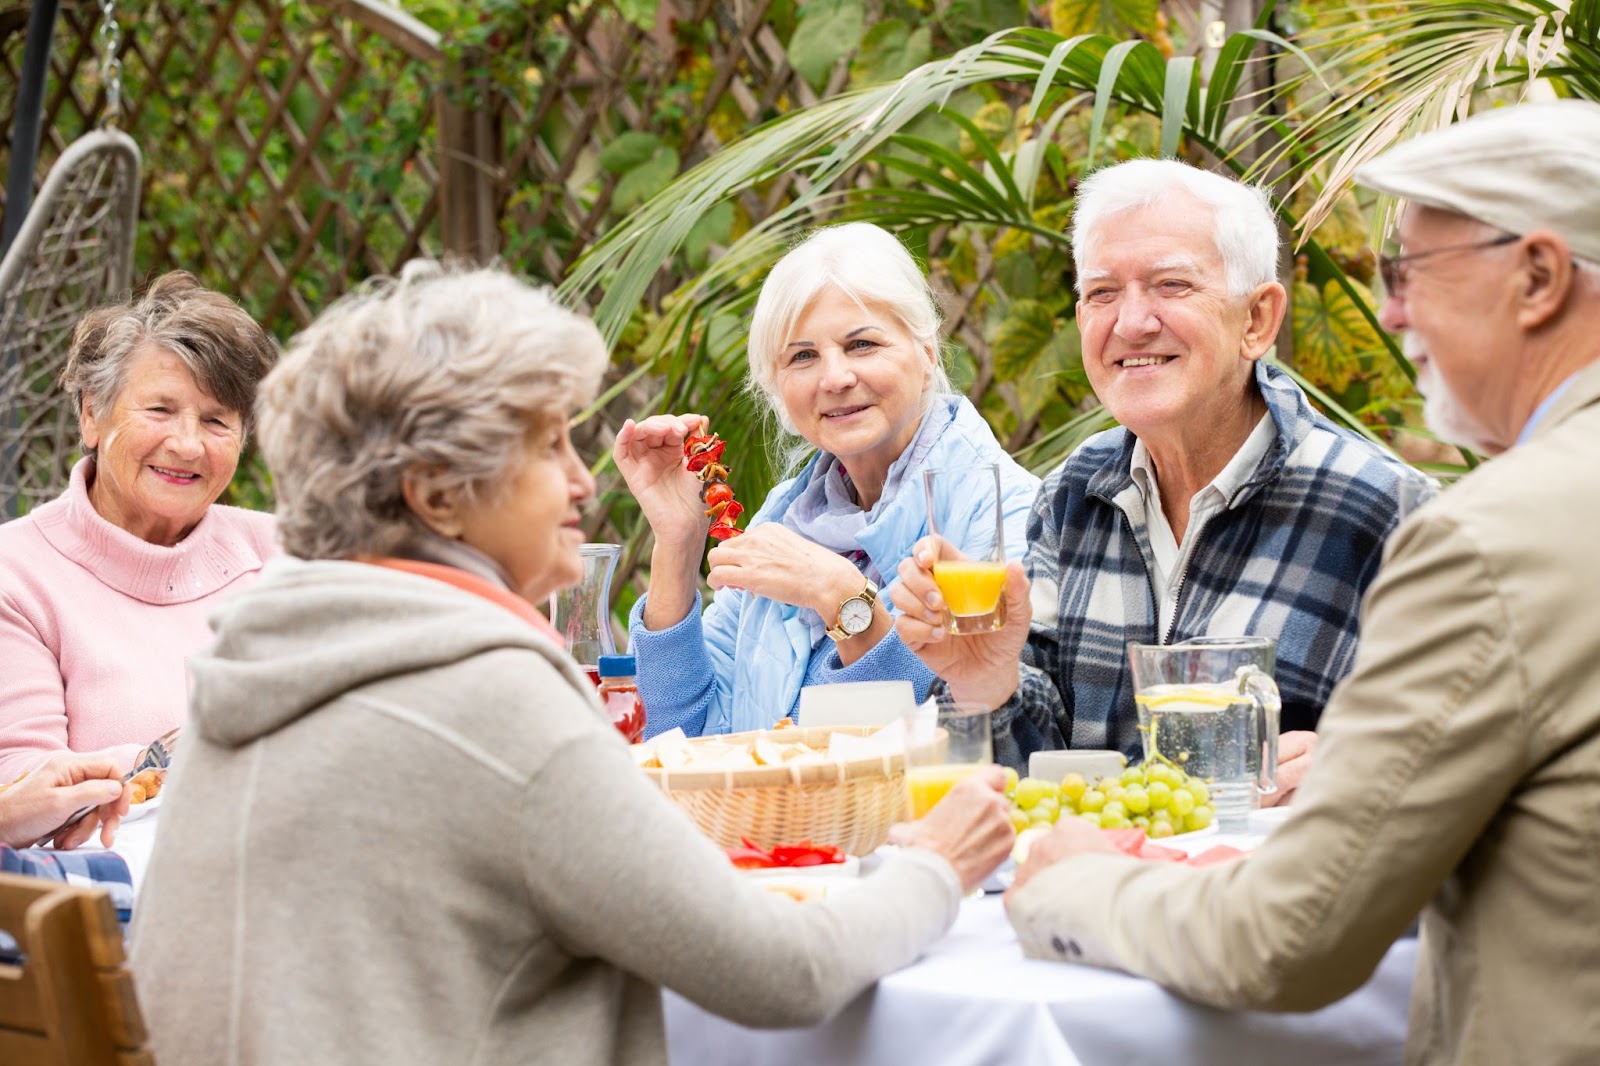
1210	705
972	584
943	747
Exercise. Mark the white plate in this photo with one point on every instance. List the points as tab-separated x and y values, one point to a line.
140	810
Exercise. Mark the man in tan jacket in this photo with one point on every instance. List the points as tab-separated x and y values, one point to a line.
1458	772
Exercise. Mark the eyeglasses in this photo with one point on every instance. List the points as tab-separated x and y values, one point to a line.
1394	269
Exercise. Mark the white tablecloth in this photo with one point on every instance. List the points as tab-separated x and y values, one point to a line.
973	1000
134	841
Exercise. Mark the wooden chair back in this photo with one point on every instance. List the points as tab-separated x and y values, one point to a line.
71	1001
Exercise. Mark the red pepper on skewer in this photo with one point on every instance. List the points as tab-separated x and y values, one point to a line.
702	455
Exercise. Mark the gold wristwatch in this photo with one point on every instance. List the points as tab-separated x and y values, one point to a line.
855	614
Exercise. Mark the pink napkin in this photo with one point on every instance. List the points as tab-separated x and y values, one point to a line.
1134	842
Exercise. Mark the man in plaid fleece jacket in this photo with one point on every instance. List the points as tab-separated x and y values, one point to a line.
1288	556
1223	506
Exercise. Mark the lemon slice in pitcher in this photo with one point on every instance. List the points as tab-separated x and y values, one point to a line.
1193	697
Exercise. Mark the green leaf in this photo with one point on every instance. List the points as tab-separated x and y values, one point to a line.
1105	92
646	179
714	227
967	19
1017	276
828	31
1181	93
1026	331
1116	17
889	50
628	151
1331	335
1343	228
642	13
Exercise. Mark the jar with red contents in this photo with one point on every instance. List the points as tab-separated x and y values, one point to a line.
620	694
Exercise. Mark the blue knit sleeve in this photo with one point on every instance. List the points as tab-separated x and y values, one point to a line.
675	674
887	660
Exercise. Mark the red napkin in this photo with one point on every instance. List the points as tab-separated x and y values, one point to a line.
1134	842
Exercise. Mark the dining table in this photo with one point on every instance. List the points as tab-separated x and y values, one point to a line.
972	999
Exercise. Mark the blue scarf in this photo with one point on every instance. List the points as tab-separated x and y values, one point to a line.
826	511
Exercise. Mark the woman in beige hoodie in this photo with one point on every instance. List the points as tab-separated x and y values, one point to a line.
403	831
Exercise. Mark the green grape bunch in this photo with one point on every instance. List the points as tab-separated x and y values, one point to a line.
1156	796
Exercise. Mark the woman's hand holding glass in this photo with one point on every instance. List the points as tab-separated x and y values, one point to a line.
970	827
981	667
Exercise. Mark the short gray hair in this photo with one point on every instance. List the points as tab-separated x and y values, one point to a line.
866	263
225	349
443	369
1246	229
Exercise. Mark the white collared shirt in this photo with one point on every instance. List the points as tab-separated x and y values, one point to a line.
1168	557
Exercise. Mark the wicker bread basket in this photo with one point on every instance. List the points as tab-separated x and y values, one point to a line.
849	804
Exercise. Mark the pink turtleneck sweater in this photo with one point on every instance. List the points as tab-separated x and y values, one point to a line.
95	624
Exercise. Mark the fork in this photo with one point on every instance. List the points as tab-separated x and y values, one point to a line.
155	757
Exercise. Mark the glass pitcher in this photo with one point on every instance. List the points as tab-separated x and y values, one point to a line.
582	613
1210	705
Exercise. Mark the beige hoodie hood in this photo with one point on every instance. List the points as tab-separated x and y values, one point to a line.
308	632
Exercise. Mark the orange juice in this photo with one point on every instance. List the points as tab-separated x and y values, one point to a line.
930	784
970	587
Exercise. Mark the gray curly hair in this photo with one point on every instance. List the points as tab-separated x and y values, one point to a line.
442	369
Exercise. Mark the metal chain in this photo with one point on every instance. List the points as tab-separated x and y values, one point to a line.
110	62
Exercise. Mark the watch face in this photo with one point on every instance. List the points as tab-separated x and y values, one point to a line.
855	616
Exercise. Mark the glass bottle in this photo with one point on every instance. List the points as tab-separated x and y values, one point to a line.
582	613
620	693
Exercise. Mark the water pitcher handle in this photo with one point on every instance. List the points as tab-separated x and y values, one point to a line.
1263	692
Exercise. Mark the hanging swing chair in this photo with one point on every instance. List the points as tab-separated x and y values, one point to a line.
73	252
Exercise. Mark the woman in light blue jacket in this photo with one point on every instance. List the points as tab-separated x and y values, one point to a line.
844	350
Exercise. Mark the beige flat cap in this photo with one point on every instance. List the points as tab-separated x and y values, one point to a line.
1521	168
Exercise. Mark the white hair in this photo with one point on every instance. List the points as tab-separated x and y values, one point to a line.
867	264
1246	229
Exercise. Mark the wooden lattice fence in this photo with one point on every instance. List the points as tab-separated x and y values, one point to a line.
294	148
270	171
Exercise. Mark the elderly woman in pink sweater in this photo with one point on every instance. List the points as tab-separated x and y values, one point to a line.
105	590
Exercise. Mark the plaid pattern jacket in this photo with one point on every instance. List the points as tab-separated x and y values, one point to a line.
1289	557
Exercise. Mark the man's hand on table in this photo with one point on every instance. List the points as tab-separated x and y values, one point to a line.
1295	749
970	827
56	790
981	667
1069	837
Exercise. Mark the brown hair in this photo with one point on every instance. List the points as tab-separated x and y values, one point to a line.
225	349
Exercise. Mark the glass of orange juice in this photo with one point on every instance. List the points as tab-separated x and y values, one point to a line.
945	747
968	527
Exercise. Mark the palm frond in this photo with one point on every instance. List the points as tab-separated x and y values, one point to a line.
1404	71
826	141
1048	451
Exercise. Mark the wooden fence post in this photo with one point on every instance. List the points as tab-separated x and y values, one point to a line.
470	165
